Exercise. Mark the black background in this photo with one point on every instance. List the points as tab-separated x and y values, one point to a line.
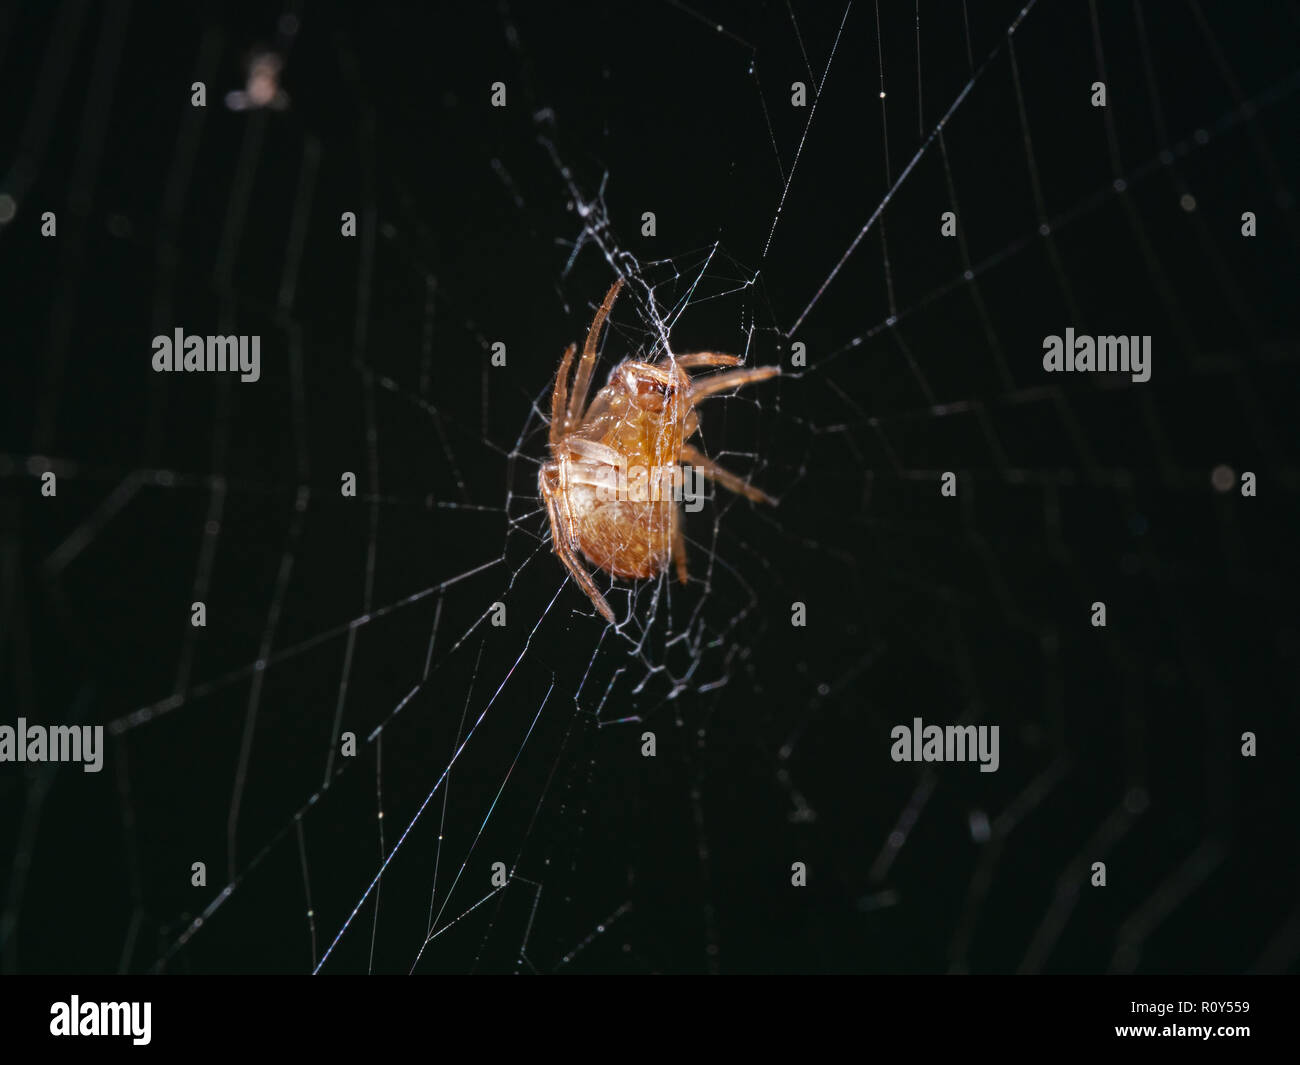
1119	744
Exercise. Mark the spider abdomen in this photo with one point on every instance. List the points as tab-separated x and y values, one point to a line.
626	537
630	540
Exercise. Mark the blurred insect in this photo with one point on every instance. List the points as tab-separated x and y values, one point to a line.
642	419
263	86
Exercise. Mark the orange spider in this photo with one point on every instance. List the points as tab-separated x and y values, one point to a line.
640	421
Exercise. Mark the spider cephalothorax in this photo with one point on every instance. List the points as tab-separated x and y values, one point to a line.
607	487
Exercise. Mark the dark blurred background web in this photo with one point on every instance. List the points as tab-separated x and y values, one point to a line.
522	744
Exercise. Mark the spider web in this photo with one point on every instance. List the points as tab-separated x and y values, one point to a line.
499	813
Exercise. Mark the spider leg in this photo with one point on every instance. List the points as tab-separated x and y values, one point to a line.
706	358
563	493
679	543
723	382
560	544
660	374
693	456
560	396
593	451
584	581
582	379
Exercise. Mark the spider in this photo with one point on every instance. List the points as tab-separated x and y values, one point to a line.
640	421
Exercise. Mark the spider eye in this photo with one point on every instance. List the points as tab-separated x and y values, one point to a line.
645	387
647	391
